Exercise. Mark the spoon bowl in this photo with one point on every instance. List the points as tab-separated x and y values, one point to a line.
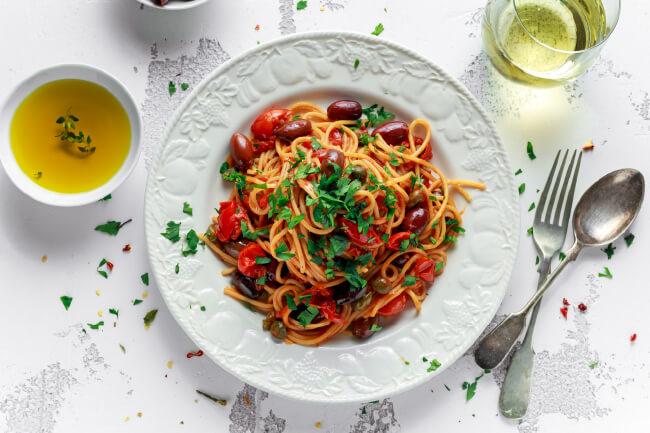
608	208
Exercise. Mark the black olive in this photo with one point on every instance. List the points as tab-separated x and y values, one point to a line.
345	294
247	286
361	327
278	330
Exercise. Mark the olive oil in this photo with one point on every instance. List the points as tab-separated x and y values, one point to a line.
60	165
538	41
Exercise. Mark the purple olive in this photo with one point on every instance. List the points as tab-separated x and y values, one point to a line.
416	197
234	248
294	129
241	150
247	286
345	294
393	133
361	327
401	260
344	110
329	157
415	220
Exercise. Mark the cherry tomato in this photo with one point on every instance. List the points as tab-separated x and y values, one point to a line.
231	214
354	251
263	146
321	298
246	261
368	240
427	154
263	198
381	204
425	269
336	138
266	123
395	241
395	306
328	310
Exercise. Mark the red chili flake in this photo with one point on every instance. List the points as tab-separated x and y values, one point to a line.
257	27
192	354
565	302
109	265
582	307
633	337
126	248
564	311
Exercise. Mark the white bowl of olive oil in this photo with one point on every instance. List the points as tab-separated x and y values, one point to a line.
69	135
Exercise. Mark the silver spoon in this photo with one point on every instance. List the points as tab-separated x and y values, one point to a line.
605	211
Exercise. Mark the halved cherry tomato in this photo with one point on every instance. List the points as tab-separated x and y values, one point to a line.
428	151
381	204
231	214
395	306
246	261
263	198
267	122
395	241
336	138
370	240
321	298
425	269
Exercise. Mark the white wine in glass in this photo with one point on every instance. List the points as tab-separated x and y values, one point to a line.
546	42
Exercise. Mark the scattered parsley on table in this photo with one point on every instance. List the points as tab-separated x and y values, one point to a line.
145	278
302	4
609	250
187	209
111	227
379	28
530	151
66	301
96	326
173	232
629	239
606	273
149	318
171	88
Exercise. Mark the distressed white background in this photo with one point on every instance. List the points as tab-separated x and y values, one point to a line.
56	378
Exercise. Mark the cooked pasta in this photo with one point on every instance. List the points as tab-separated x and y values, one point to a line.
338	219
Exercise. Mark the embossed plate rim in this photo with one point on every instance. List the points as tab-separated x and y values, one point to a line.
390	388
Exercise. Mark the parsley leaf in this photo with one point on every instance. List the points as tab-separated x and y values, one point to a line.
149	318
356	64
145	278
111	227
192	240
609	250
187	209
282	253
376	115
629	239
365	139
410	280
136	301
173	231
471	388
302	4
308	314
184	86
530	151
291	303
106	197
433	366
171	88
522	188
379	28
231	175
606	273
262	260
375	327
103	272
114	311
518	172
66	301
531	207
96	325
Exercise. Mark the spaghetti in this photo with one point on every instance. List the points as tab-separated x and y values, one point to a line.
338	219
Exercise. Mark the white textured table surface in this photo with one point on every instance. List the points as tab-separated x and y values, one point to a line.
56	375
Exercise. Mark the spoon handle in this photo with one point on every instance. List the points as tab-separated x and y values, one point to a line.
494	347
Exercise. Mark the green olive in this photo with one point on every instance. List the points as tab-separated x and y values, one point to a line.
359	173
415	198
363	302
381	285
278	330
268	321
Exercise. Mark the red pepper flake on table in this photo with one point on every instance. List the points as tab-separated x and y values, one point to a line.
633	338
582	307
564	311
126	248
565	302
193	354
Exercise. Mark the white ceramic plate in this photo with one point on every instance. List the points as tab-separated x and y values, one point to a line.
320	66
174	5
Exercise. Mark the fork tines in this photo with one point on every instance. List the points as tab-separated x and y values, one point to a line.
566	179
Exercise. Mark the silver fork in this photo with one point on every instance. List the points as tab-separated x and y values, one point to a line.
549	232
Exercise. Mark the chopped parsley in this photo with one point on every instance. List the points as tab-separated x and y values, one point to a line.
439	266
629	239
149	318
231	175
376	115
375	327
356	64
379	28
184	86
529	231
518	172
111	227
252	235
66	301
282	252
114	311
136	301
108	266
609	250
561	256
145	278
530	151
291	303
522	188
96	325
410	280
365	139
393	160
302	4
315	144
106	197
307	315
171	88
187	209
433	366
606	273
173	231
262	260
531	207
177	268
471	388
192	241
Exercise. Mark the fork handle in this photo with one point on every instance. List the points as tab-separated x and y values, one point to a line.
515	392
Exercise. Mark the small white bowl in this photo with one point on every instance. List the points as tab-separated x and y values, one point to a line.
60	72
174	5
